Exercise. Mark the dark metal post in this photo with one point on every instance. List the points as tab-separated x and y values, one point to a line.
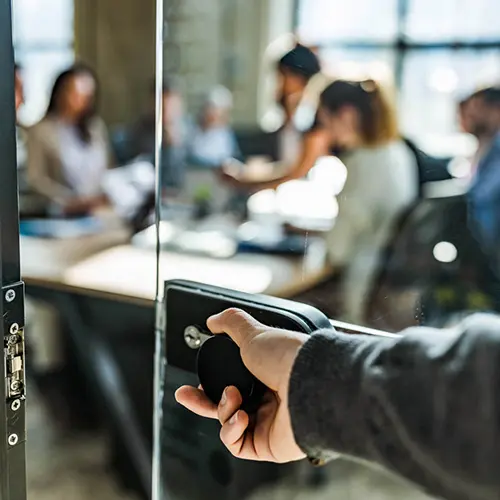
12	390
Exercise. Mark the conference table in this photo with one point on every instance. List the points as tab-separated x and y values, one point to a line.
107	265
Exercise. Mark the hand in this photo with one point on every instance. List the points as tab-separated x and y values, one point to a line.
239	183
84	205
269	354
227	178
230	172
77	206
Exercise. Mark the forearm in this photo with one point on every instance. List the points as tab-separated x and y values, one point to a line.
425	406
271	183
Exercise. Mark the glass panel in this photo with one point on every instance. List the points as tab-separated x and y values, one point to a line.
324	21
43	22
453	20
440	78
40	69
353	228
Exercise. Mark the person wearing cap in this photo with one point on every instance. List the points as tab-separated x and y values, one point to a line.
301	141
480	116
424	405
212	140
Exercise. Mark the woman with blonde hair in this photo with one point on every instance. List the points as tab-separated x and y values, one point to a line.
381	186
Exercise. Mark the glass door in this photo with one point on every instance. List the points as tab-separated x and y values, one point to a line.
240	205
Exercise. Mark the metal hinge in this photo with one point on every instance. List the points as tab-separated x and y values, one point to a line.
14	362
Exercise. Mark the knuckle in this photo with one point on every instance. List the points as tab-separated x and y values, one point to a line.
233	313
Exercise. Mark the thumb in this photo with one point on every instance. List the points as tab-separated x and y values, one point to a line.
270	361
238	324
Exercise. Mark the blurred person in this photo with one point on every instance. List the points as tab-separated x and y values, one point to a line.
68	150
141	137
212	141
381	186
423	405
480	116
20	131
18	86
295	71
464	115
30	203
301	139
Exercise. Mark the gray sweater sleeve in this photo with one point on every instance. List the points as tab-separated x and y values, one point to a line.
426	405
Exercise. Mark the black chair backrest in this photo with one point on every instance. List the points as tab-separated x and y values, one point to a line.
409	264
430	168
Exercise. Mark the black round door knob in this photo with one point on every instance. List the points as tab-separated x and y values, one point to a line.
220	365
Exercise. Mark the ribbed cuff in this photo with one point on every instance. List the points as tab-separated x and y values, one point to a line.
325	400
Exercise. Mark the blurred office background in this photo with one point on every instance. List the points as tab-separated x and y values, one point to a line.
91	271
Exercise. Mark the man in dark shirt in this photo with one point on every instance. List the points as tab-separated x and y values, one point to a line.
425	405
480	116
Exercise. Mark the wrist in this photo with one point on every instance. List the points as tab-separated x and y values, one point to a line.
327	406
296	342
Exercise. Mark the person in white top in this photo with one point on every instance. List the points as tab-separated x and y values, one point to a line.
381	186
68	150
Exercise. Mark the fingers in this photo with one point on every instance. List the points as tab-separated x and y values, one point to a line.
234	435
234	421
229	404
239	325
250	440
196	401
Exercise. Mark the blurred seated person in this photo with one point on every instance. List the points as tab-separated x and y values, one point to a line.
480	116
301	141
141	138
20	131
295	71
381	186
212	140
68	150
31	204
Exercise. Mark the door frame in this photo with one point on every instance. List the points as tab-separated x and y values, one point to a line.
12	396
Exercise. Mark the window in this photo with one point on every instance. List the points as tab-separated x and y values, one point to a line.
433	82
435	51
43	36
323	21
452	20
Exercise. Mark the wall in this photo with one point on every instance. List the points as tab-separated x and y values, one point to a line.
117	38
223	42
207	42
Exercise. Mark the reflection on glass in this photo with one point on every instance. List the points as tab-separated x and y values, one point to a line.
43	22
324	21
242	217
43	32
440	79
40	69
452	20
